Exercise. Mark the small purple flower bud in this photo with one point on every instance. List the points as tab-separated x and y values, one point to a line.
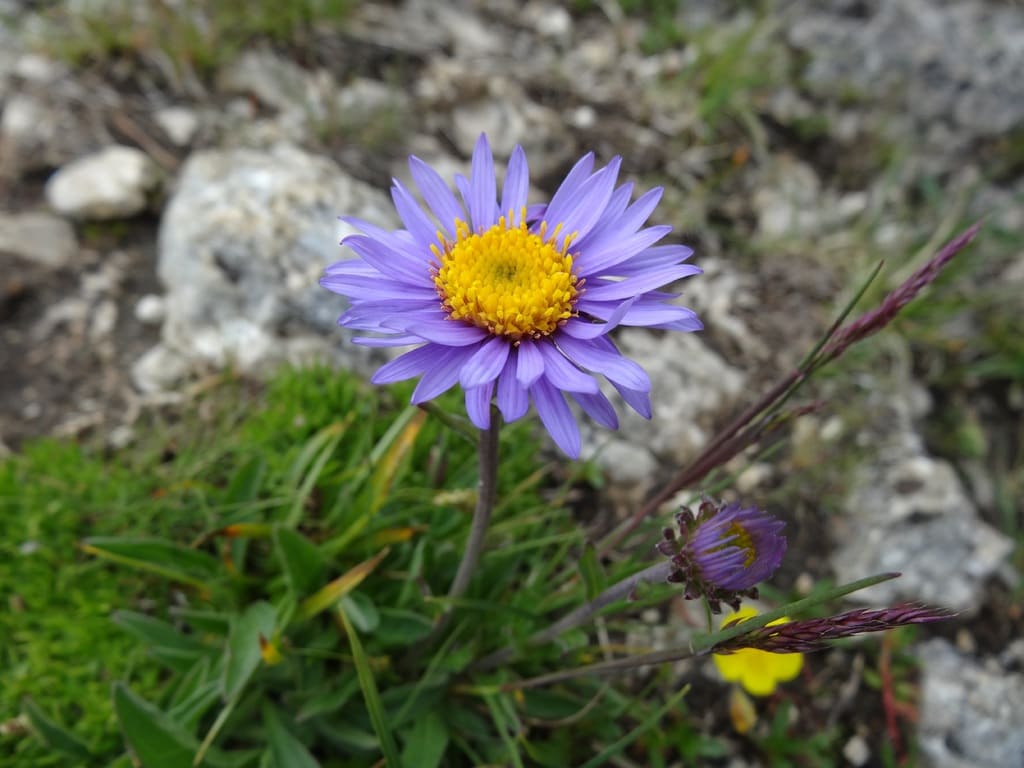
723	551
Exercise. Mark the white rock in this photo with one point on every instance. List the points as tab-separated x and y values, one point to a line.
150	309
159	370
38	236
970	714
856	751
113	183
26	123
179	123
37	68
907	511
242	245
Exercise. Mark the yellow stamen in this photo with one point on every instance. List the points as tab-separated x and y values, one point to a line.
507	280
743	541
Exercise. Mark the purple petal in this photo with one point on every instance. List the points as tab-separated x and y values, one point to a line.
654	258
483	192
412	363
580	329
597	407
591	201
399	240
513	399
613	366
596	261
663	316
370	288
437	195
450	333
370	315
616	205
556	417
415	220
478	405
634	286
529	363
516	187
387	341
563	374
396	265
629	222
486	364
462	184
567	189
442	374
638	400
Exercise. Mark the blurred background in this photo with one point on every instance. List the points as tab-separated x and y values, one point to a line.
170	176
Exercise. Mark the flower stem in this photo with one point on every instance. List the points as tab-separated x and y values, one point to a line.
487	459
619	591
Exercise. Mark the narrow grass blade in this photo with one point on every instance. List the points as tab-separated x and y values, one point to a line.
53	735
374	706
162	558
330	594
604	757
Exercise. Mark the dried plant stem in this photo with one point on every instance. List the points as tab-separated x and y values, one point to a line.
619	591
759	418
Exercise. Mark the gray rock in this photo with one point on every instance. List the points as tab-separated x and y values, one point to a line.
690	385
150	309
956	61
242	244
272	79
970	711
38	236
113	183
908	512
179	123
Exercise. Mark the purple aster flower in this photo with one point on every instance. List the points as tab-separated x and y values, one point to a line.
515	302
723	552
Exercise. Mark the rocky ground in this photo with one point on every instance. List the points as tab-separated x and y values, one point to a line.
161	217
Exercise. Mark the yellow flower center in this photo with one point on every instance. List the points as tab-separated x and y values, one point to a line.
507	280
743	541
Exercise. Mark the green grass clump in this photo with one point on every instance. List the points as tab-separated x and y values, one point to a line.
195	36
257	580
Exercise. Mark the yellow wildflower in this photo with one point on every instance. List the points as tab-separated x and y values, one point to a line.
759	672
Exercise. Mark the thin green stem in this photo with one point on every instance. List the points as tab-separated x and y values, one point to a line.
487	458
615	593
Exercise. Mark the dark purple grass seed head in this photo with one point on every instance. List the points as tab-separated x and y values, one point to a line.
723	551
813	634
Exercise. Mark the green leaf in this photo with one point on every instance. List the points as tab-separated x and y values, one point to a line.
426	743
371	695
360	608
156	740
301	561
165	642
287	750
246	482
604	757
593	576
243	648
330	697
401	628
164	558
52	734
329	595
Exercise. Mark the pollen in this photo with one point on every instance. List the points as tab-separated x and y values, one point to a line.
738	537
507	280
